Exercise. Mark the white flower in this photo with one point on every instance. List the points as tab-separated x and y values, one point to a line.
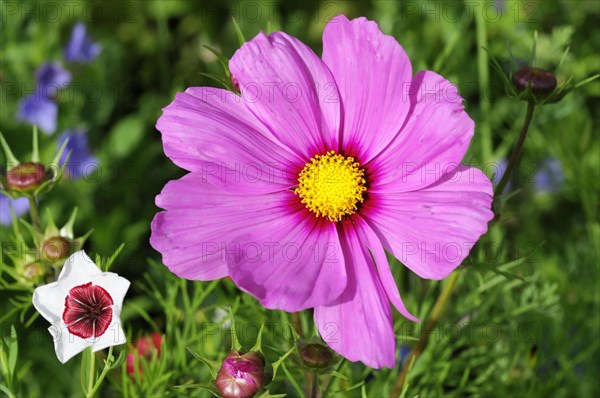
83	306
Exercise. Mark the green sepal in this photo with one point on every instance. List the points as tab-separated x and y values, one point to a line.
258	345
11	160
235	342
238	32
213	366
35	151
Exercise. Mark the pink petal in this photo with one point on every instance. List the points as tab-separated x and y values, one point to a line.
433	141
293	264
431	231
206	127
202	215
359	325
373	244
373	74
289	88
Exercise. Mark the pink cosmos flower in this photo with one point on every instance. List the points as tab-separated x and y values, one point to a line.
299	186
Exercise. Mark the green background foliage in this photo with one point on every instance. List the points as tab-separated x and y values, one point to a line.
523	319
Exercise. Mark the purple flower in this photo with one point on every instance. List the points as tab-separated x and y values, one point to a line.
37	109
50	78
550	176
81	48
19	207
299	186
81	162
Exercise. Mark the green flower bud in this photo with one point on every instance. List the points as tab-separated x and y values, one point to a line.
33	271
316	355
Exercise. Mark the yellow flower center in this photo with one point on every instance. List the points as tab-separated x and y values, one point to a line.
331	186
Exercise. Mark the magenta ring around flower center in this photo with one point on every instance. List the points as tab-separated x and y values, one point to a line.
88	311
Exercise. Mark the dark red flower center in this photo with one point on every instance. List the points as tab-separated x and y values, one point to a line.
88	311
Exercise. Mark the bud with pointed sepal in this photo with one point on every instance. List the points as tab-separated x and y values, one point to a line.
534	84
26	177
54	244
316	355
241	375
30	178
55	248
540	81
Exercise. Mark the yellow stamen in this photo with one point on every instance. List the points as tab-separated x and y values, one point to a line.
331	185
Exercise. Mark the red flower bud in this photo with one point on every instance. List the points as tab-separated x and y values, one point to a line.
541	81
240	376
144	348
55	248
26	176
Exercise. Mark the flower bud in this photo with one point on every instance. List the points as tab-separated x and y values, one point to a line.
240	376
542	82
33	271
55	248
235	84
316	355
144	348
26	176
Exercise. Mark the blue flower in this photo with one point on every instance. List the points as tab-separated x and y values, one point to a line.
39	110
81	48
81	162
50	78
550	176
19	206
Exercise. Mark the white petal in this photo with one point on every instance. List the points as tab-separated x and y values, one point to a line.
78	269
114	335
114	284
66	345
49	300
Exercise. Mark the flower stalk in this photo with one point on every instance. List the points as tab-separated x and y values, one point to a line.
430	323
35	215
516	153
91	375
313	389
442	299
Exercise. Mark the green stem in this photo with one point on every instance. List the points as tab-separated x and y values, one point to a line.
91	380
485	132
331	379
97	384
297	323
313	390
516	153
35	215
430	323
